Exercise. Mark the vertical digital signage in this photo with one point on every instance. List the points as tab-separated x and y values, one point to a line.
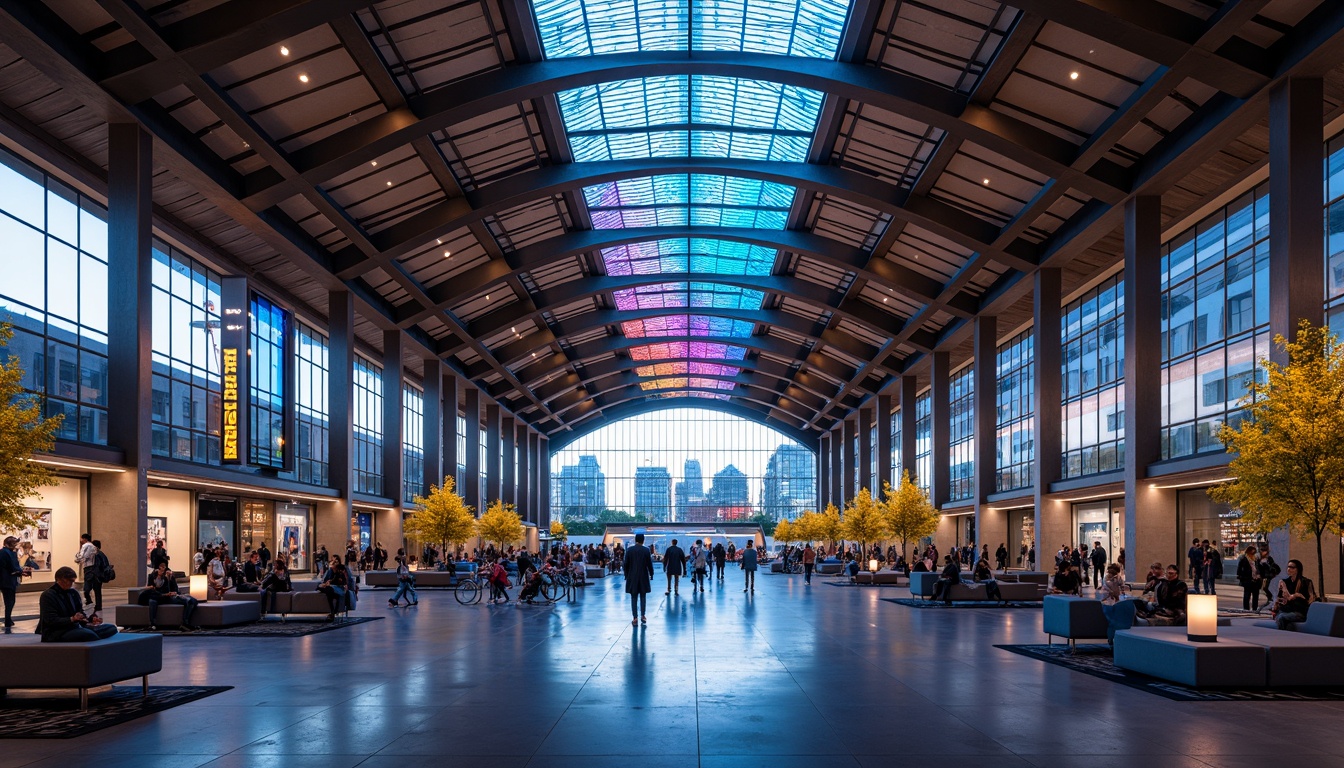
234	373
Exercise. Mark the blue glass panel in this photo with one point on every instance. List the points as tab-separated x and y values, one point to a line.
683	295
676	200
677	256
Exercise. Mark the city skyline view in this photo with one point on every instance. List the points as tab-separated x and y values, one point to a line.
626	450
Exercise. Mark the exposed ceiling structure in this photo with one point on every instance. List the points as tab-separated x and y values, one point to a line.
593	207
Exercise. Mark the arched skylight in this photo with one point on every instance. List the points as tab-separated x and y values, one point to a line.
689	199
681	255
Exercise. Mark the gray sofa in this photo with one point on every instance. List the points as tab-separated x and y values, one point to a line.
27	662
1073	618
879	578
921	585
219	613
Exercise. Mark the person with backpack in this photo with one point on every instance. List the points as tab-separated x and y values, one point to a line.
499	583
101	573
699	565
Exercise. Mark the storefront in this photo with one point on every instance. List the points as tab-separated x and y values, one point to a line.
60	514
1101	521
1021	535
361	529
169	519
1200	517
293	534
217	523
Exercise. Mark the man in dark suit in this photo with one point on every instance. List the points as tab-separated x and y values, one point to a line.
638	567
264	553
61	617
674	565
10	574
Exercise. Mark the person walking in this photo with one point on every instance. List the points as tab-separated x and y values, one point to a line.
674	565
732	551
809	562
1098	558
700	565
1268	570
638	568
1195	566
406	583
85	559
264	555
1001	557
1248	576
10	574
749	568
1213	567
720	557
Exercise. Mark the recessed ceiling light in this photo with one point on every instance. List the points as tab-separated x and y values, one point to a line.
514	329
1073	75
373	163
284	51
985	182
389	183
487	297
303	78
884	299
439	241
447	254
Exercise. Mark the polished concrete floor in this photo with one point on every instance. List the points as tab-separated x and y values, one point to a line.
814	676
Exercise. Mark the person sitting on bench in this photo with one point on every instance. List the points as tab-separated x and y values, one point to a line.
951	575
163	590
61	616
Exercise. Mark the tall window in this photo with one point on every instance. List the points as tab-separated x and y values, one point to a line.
896	447
186	397
461	453
924	439
311	403
1017	387
1093	369
412	442
266	432
1334	232
961	435
368	445
687	465
54	293
1215	322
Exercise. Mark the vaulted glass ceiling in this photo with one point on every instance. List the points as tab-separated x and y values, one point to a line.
681	255
696	116
687	369
689	199
689	116
682	382
808	28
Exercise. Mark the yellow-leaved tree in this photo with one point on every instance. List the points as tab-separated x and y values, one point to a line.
910	515
864	520
805	526
1289	464
444	517
785	532
23	432
558	531
500	524
829	527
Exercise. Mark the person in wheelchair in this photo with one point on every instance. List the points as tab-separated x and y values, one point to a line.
535	581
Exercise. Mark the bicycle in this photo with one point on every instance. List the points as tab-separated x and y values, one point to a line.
469	589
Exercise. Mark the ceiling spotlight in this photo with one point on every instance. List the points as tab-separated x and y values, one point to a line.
884	299
389	183
514	329
985	182
447	254
303	78
439	240
487	297
1073	75
284	51
373	163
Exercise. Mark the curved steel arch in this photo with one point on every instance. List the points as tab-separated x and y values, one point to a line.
763	368
628	378
805	292
479	95
870	267
511	354
945	220
579	354
763	396
617	412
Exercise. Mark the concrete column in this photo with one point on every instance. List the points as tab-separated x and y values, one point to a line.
837	496
991	525
472	463
940	460
866	473
823	470
526	468
883	425
850	437
1051	525
1149	513
451	457
1296	278
494	486
509	467
394	451
907	393
544	476
118	502
433	423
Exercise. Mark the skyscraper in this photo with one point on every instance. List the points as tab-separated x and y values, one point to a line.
690	492
790	482
730	494
581	490
653	493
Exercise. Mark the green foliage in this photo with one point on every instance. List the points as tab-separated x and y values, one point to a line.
1289	464
909	513
443	519
23	432
766	522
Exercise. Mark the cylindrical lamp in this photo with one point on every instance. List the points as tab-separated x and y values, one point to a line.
1201	618
872	565
200	588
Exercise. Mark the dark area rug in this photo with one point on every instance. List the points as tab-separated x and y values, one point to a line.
915	602
1095	660
266	628
27	716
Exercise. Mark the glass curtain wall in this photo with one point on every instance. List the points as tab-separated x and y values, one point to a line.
896	447
54	294
924	439
461	453
412	442
266	435
1093	371
683	465
961	436
1215	322
368	445
311	404
186	387
1334	233
1016	450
